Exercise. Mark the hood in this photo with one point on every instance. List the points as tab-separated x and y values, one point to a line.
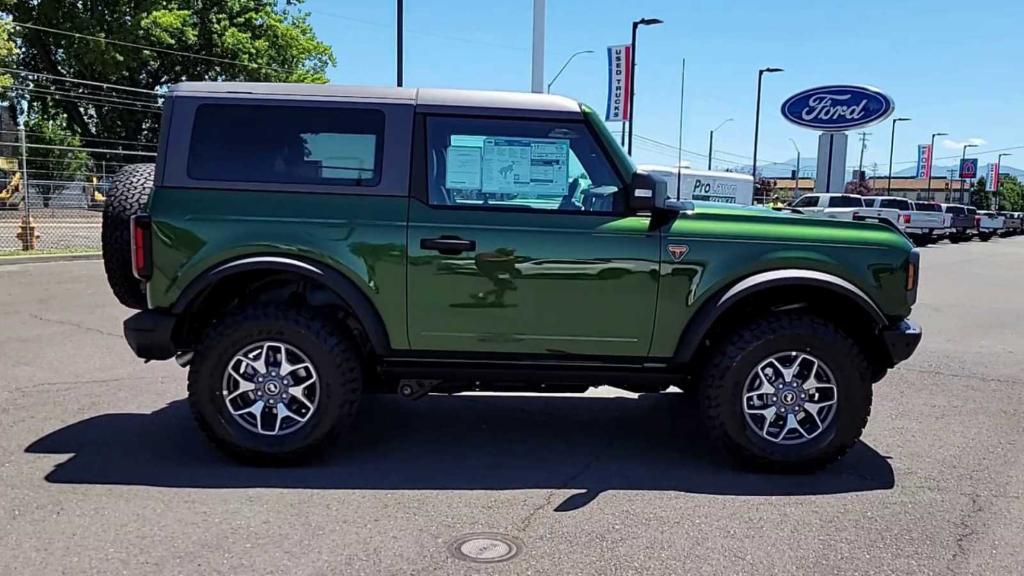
727	221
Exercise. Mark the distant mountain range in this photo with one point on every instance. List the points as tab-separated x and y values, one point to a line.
808	167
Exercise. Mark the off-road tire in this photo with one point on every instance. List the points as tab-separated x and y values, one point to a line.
329	348
735	356
128	194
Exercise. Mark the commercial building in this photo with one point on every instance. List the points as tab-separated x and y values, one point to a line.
942	189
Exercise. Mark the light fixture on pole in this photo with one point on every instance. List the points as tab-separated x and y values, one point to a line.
632	72
931	162
711	139
796	181
757	118
963	156
892	142
562	69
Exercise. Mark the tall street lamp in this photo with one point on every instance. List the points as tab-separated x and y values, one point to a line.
399	49
711	139
892	142
796	183
963	156
632	72
931	162
995	186
757	116
562	69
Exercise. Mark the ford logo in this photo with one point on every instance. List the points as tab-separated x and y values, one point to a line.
837	108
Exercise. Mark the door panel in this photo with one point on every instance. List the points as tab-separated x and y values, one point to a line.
536	282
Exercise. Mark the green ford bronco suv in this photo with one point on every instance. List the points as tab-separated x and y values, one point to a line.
298	246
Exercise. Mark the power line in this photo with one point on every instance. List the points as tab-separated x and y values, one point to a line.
60	92
93	103
49	84
153	48
79	137
78	81
419	33
81	149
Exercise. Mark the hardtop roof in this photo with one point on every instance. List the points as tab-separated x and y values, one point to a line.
431	97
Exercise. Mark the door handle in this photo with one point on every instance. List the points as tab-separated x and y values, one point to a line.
448	245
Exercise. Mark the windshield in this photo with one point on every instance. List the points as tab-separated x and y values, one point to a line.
623	162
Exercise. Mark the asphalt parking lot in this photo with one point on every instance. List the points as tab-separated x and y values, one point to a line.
103	472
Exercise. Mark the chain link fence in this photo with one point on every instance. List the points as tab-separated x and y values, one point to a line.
46	207
65	216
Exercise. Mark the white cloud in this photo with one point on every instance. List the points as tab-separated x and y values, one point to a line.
957	145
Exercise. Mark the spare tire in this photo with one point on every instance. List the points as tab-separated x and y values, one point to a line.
128	194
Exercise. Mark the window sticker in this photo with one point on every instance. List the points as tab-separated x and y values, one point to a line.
528	167
464	168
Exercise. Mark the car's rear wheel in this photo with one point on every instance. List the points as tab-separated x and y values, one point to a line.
128	195
272	384
788	392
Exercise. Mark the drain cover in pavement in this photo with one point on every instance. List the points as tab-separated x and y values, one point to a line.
485	547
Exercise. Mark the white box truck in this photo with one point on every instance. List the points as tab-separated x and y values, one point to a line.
704	185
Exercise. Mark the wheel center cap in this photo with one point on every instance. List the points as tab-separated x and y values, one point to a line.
788	397
272	387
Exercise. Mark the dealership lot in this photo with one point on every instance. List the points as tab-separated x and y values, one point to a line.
103	472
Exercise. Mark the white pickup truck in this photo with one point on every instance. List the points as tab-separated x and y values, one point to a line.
928	217
922	226
846	207
989	224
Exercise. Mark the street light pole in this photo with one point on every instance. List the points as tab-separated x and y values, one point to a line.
931	162
892	142
963	156
995	185
632	73
711	140
796	183
399	40
562	69
757	118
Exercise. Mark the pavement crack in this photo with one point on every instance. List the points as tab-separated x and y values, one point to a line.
965	530
965	376
74	325
569	481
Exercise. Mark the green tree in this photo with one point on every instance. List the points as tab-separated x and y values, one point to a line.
53	170
1011	194
271	38
981	198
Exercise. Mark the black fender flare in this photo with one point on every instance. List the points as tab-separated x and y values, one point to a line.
363	309
701	322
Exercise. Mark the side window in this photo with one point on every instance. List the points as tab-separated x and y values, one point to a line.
845	202
287	144
806	202
518	164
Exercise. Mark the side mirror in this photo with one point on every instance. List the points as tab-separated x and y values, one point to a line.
647	193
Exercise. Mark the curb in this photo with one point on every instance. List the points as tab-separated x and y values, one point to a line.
41	258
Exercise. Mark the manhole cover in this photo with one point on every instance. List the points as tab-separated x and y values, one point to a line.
485	547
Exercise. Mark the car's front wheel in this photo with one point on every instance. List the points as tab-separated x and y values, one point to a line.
270	384
788	392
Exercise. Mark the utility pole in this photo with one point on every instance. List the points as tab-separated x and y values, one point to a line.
24	174
863	147
399	40
537	84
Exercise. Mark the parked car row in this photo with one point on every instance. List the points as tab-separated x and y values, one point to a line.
923	222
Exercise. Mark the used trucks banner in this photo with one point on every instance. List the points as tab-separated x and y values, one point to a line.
619	79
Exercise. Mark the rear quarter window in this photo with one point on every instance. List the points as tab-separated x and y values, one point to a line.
845	202
286	144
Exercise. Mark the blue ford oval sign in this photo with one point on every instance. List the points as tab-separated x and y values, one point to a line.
837	108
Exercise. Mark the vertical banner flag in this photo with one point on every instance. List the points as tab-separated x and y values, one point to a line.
619	70
968	168
924	161
992	182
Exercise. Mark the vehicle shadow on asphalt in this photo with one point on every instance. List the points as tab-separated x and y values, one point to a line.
466	442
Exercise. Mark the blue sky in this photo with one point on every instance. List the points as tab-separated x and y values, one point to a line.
952	67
